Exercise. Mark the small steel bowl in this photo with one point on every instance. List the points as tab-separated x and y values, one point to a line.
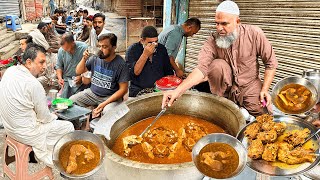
295	80
222	138
73	136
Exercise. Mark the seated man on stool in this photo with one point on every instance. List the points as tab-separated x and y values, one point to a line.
110	76
24	110
148	61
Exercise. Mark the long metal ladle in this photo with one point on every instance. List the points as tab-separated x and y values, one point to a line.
155	119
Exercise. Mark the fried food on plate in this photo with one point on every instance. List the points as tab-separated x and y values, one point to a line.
252	130
270	152
297	137
267	136
296	156
255	149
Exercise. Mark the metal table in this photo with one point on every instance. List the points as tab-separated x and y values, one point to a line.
73	113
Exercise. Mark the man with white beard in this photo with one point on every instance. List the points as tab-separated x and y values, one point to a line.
228	60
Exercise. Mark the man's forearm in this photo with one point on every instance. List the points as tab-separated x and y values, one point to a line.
81	67
140	64
59	74
116	96
173	64
193	79
268	78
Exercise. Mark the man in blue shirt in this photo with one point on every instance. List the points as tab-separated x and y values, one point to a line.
69	55
148	61
109	80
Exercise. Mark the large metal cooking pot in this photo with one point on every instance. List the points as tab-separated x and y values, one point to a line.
212	108
73	136
295	80
313	75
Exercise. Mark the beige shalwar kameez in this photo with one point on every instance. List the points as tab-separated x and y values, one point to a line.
234	72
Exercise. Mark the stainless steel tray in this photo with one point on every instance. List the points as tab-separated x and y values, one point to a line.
265	167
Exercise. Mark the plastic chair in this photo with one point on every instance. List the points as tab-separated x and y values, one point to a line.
21	157
15	22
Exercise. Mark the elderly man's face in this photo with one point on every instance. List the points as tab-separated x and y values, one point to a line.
226	23
38	66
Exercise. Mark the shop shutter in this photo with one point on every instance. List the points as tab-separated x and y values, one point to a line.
205	11
292	27
9	7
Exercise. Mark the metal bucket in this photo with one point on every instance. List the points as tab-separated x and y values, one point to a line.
217	110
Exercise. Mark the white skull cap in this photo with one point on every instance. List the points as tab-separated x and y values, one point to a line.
47	20
229	7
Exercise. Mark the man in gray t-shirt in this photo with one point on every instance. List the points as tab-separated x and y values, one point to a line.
109	79
171	38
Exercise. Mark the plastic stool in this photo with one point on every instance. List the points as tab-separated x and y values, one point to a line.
15	22
21	157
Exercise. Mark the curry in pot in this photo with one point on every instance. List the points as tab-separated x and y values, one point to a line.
79	157
170	140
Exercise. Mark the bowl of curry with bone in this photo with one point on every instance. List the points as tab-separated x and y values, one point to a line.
78	154
274	145
219	156
294	95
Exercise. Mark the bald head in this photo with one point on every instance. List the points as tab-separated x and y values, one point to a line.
67	43
67	38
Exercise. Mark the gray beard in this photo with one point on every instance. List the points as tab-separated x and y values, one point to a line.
225	42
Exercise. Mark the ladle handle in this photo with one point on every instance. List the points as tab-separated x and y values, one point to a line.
155	119
310	137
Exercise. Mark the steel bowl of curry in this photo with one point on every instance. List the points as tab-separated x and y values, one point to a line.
219	156
78	154
294	95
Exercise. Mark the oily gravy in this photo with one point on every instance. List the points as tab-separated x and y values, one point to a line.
168	151
83	164
217	160
294	98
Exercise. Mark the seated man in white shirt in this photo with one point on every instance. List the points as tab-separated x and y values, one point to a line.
98	29
24	110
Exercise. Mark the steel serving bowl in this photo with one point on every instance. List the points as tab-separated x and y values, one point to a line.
223	138
73	136
295	80
265	167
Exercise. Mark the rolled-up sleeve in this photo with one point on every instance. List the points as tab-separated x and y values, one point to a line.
265	50
206	55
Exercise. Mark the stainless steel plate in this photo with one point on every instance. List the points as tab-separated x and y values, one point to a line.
265	167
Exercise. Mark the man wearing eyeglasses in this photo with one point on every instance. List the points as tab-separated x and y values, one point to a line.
228	60
148	61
